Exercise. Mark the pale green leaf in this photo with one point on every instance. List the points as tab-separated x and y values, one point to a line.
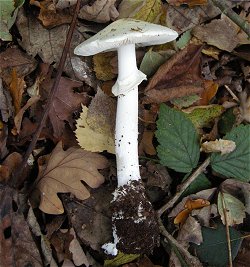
151	62
234	208
237	163
185	101
120	259
178	140
184	39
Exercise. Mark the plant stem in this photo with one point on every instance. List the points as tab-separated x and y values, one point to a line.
243	24
183	187
18	177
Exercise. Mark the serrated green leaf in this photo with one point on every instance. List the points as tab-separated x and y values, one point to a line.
178	140
120	259
213	250
237	163
200	183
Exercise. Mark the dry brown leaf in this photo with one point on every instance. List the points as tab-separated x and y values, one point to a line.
221	145
190	3
179	76
62	172
6	107
100	11
210	90
146	144
19	116
16	88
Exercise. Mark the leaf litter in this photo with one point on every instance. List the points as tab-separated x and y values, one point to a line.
196	100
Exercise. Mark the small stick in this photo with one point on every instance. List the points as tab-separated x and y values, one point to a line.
243	24
227	232
18	177
193	261
183	187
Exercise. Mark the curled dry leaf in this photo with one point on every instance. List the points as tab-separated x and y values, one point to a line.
62	172
100	11
221	145
179	76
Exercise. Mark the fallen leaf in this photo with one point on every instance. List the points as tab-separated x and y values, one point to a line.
8	13
17	246
19	116
203	116
219	33
62	172
205	214
78	255
146	144
95	127
65	103
221	145
100	11
210	90
182	18
102	66
5	103
12	58
178	76
92	219
16	88
3	139
232	208
190	3
185	101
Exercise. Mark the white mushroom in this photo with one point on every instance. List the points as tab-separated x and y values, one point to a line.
123	35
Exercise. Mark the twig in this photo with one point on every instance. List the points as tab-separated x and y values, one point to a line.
183	187
18	177
192	261
243	24
227	232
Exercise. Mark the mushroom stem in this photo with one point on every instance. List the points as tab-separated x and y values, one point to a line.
126	133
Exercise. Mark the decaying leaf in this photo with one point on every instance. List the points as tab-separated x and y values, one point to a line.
147	10
63	171
146	144
16	88
102	66
100	11
190	3
178	76
6	108
232	208
203	116
65	103
95	127
221	145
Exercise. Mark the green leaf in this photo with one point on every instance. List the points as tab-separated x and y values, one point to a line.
120	259
8	13
226	121
213	250
185	101
234	208
200	183
237	163
178	140
184	39
151	62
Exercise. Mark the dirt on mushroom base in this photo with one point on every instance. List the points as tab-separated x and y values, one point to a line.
134	220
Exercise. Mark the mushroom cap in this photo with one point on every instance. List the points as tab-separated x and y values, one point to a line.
125	31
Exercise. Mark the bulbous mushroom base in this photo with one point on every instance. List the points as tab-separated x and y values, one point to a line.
134	220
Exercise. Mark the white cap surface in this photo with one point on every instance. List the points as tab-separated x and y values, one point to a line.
125	31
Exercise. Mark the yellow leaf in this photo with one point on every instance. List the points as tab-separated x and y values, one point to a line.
91	138
62	172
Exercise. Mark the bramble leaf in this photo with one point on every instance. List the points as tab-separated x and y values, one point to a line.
179	147
237	163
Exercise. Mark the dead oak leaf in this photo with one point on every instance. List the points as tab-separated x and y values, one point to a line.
62	172
179	76
65	103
